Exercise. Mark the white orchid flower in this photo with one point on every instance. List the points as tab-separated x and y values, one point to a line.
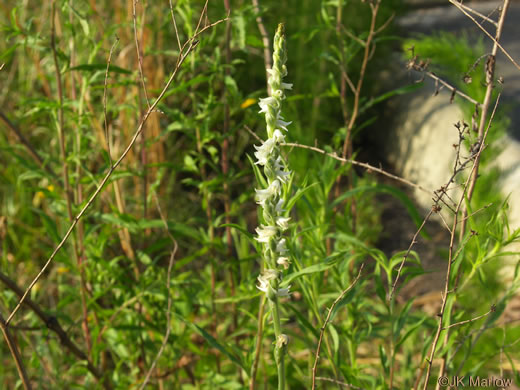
265	233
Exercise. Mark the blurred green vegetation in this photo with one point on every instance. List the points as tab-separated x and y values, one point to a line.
108	286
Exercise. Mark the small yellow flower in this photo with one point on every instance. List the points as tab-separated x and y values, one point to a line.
248	102
62	270
50	188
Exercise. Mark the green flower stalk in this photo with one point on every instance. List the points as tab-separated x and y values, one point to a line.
271	200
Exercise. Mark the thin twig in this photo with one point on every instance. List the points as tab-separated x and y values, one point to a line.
175	27
188	46
447	290
61	131
352	120
361	42
408	251
366	56
325	323
476	212
420	67
439	195
475	337
15	353
204	12
347	79
369	167
504	8
265	41
34	154
471	10
476	63
78	198
233	263
253	133
107	134
115	313
139	56
258	346
462	240
339	383
52	323
459	167
450	87
444	223
65	174
490	73
470	320
143	162
169	297
347	153
385	24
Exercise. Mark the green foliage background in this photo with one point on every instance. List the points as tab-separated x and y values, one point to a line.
116	285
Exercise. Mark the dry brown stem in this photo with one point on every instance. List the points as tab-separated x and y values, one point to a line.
139	53
65	175
107	132
416	66
15	353
168	294
374	7
339	383
494	39
258	346
52	323
472	179
470	320
368	167
265	41
438	198
490	73
451	258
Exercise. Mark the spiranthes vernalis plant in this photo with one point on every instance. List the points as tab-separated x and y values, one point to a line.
271	199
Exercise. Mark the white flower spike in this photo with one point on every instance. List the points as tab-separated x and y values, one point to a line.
273	196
